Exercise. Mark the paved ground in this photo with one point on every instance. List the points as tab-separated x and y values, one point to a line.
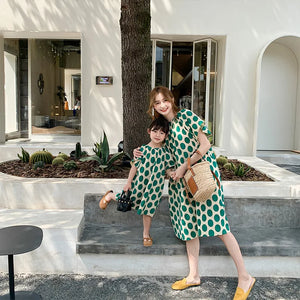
292	168
88	287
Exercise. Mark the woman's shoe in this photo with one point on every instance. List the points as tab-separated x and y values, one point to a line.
240	294
103	202
181	284
147	241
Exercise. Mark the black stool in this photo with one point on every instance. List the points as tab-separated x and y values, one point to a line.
17	240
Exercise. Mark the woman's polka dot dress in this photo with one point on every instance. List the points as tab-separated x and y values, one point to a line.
148	183
195	219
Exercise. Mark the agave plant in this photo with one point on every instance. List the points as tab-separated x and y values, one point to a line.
101	151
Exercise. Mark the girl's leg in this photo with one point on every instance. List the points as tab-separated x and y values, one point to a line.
244	279
109	195
192	248
147	224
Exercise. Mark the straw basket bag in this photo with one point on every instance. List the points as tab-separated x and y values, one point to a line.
199	181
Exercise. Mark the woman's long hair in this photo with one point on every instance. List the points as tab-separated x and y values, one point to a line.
167	94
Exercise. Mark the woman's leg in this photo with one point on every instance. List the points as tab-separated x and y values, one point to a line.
192	248
244	279
147	224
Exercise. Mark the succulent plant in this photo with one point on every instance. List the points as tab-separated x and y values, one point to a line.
62	155
25	156
57	161
228	166
69	165
77	153
38	164
102	155
240	170
43	155
222	160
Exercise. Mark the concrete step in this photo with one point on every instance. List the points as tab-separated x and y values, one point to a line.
242	212
263	227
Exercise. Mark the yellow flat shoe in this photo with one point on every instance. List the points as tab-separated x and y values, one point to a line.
103	203
240	294
181	284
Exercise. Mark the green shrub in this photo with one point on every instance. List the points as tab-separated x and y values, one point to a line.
38	164
70	165
57	161
25	156
43	155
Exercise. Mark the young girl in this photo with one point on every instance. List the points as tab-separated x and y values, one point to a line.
146	177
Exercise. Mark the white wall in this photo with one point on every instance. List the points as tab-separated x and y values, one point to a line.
97	24
246	26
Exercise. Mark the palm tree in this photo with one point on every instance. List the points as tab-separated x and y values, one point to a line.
135	26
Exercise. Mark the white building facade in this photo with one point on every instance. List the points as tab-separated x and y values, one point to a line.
235	63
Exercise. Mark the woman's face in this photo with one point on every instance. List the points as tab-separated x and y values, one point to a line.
163	106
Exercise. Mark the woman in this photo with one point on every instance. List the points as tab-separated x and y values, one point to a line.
190	220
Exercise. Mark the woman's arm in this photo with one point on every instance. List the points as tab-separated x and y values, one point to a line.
137	153
201	151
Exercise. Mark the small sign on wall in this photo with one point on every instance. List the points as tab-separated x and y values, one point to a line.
104	80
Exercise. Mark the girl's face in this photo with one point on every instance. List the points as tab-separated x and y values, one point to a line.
163	106
157	136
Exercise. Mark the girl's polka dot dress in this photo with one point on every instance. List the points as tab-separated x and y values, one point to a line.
195	219
148	183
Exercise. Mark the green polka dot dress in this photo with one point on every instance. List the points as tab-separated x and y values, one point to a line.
195	219
148	183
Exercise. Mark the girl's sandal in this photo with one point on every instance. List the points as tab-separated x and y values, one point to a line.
103	202
147	241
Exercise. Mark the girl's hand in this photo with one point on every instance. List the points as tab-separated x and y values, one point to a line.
137	153
127	187
179	172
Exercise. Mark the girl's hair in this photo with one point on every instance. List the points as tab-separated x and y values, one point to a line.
167	94
160	123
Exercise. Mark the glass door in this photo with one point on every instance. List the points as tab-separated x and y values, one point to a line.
162	57
204	81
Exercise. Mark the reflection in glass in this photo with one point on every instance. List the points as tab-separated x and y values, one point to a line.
162	63
200	73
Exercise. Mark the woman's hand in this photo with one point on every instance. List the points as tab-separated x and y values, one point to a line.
179	172
137	153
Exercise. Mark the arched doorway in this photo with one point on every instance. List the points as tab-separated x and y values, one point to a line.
278	96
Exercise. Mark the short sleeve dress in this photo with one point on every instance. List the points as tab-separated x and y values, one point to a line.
193	219
148	183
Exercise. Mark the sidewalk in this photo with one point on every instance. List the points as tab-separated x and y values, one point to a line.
88	287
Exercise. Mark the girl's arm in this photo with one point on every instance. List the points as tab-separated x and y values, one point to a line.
201	151
131	175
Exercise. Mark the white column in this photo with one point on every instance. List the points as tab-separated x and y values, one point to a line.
2	99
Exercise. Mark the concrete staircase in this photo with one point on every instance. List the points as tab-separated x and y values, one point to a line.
262	226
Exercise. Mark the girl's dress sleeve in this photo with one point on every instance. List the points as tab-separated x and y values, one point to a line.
195	123
136	162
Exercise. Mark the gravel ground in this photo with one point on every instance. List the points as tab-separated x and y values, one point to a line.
90	287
